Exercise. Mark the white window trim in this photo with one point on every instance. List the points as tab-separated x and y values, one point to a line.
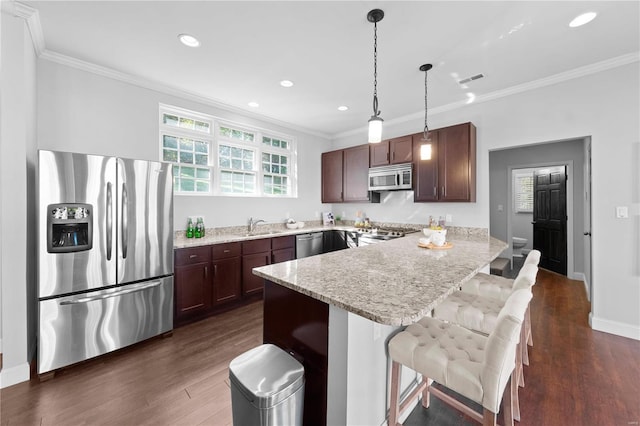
517	174
214	140
165	129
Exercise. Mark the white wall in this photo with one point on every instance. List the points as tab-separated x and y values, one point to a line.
17	147
604	106
84	112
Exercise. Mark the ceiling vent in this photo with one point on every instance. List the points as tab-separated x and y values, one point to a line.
470	79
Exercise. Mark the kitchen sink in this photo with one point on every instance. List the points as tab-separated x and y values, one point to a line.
257	234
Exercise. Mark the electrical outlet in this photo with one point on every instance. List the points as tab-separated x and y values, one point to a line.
500	207
448	218
622	212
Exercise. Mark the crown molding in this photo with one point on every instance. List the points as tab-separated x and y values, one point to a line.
532	85
169	90
32	17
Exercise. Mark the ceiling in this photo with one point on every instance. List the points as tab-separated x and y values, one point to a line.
326	49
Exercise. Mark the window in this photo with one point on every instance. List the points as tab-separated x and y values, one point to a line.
217	158
523	191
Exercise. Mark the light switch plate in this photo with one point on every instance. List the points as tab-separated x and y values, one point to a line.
622	212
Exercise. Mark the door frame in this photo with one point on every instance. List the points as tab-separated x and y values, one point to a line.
570	233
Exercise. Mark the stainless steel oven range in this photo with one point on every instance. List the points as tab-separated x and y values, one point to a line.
368	236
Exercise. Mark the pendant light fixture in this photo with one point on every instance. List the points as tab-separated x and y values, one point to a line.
425	148
375	122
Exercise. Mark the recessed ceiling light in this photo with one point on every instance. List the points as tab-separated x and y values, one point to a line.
286	83
188	40
254	104
585	18
343	108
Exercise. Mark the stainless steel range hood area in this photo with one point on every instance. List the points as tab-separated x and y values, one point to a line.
391	178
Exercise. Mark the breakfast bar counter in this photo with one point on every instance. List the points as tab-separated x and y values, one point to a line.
336	312
393	283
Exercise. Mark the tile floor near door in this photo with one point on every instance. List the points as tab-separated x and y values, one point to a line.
576	376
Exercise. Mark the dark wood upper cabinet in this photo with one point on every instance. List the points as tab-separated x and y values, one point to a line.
332	177
450	175
379	154
457	162
345	176
392	151
425	172
356	174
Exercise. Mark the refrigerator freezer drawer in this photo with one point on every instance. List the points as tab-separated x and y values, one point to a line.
79	327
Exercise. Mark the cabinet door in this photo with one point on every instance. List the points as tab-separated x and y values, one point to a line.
379	154
332	177
282	255
425	178
226	280
455	163
253	284
192	290
356	173
401	150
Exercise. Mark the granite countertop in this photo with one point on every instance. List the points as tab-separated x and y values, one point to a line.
210	238
394	282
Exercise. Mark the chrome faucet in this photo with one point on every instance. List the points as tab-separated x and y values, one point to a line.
253	223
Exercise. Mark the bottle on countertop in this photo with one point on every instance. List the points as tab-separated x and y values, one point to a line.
197	233
201	227
190	230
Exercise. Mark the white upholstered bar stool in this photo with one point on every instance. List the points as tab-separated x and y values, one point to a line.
475	366
480	314
498	287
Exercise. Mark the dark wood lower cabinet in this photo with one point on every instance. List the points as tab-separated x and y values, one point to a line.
252	284
193	297
226	280
299	325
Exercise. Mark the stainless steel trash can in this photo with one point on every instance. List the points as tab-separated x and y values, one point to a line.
267	388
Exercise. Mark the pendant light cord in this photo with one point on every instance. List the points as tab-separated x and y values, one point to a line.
375	70
426	126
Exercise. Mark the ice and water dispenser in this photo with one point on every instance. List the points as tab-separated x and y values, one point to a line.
69	227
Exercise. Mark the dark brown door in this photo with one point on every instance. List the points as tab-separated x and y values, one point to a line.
193	290
550	217
332	176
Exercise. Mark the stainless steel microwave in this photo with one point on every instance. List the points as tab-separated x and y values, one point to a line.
390	178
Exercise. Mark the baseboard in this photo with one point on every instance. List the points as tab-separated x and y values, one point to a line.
579	276
14	375
614	327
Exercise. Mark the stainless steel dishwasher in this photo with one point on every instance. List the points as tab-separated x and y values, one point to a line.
308	244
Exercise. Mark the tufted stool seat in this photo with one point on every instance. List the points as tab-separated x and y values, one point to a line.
473	365
500	288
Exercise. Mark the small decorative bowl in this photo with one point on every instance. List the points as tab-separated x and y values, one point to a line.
293	225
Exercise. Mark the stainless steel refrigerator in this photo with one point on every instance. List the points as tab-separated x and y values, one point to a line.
105	255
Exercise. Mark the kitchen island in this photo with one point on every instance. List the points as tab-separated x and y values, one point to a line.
335	312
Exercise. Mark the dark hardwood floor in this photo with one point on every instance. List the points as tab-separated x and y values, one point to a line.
576	376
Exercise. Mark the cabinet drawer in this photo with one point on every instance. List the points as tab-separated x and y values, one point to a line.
222	251
193	255
286	241
256	246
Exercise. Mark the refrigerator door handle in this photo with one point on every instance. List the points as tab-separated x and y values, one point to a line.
131	289
125	220
109	221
